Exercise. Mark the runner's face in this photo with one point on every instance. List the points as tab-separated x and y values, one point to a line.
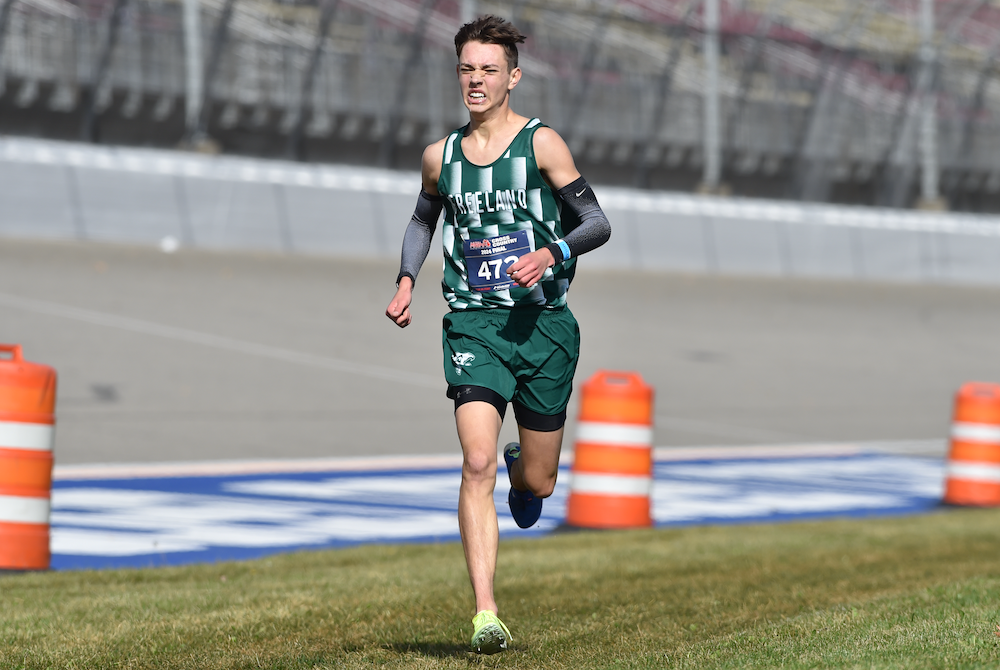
484	77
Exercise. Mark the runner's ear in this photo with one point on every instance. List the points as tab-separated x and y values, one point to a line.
515	76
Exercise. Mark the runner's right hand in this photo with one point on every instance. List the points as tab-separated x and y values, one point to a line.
399	307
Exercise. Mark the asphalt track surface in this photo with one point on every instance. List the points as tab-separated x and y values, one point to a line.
197	355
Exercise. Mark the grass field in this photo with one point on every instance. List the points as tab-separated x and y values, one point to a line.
917	592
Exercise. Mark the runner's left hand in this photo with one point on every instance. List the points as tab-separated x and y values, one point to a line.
528	270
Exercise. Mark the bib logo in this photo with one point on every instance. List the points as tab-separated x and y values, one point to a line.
461	360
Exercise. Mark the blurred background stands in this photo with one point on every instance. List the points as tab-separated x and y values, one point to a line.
888	103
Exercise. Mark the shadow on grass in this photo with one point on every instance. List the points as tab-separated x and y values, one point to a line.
431	649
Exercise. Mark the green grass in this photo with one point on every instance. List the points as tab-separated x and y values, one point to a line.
919	592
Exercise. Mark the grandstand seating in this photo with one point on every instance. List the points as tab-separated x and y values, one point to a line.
801	80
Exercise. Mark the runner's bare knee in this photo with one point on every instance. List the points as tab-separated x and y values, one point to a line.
479	466
540	478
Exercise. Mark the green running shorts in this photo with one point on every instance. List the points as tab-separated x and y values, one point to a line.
525	354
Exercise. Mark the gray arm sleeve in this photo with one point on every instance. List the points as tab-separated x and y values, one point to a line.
593	228
417	238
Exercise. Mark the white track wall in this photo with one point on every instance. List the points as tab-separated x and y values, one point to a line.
76	191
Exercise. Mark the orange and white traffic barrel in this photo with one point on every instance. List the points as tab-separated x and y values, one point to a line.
27	423
612	477
973	470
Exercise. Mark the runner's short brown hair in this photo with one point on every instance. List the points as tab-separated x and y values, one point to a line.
491	30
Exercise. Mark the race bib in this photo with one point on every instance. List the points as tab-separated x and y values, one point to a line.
489	258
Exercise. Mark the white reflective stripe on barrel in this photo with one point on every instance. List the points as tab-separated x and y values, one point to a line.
617	434
976	432
21	509
979	472
19	435
622	485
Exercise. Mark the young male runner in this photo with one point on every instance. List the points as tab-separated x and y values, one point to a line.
517	214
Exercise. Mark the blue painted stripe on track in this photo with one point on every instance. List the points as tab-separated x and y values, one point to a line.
174	520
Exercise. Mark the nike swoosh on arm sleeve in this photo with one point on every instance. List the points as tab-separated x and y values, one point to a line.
594	229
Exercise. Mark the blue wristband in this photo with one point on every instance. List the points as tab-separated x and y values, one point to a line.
564	248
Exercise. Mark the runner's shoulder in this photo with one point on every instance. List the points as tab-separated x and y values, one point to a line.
549	145
546	138
430	165
553	157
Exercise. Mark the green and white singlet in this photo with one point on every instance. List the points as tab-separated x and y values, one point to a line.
493	215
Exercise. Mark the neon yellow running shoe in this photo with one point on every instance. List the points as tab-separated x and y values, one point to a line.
489	635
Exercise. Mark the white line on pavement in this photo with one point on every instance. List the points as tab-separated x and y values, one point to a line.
225	343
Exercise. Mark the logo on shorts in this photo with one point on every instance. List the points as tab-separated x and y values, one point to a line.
462	359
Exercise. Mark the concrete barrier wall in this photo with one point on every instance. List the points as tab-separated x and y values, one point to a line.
78	191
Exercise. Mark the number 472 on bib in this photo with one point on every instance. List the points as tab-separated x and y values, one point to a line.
489	258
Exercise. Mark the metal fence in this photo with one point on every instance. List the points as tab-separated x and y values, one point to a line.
819	92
